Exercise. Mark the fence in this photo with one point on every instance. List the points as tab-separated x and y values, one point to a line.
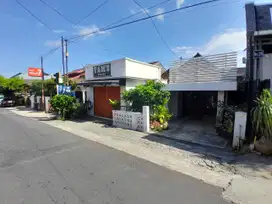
132	120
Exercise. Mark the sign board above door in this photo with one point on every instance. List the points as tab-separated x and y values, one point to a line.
102	70
34	72
258	53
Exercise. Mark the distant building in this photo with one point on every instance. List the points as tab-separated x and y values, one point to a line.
77	75
29	79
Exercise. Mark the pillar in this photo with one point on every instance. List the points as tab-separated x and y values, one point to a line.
146	119
90	98
32	99
239	131
220	97
83	95
47	98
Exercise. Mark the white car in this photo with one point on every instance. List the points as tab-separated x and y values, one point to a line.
7	102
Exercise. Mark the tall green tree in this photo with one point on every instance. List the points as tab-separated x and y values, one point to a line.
49	87
15	84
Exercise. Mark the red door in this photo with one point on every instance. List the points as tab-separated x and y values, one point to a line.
102	95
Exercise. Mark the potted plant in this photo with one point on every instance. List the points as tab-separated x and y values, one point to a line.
115	104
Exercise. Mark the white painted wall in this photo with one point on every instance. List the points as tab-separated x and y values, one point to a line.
127	68
131	83
117	70
266	68
132	120
142	70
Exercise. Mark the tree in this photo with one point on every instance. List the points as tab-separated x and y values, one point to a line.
150	94
49	87
8	85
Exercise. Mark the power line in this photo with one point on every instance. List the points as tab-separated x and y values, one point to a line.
51	51
97	8
139	12
33	15
142	19
58	12
110	27
128	17
157	30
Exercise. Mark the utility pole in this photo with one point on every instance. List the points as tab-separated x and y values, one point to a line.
66	60
43	96
251	87
62	53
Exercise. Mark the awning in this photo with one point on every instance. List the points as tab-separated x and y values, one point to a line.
108	82
203	86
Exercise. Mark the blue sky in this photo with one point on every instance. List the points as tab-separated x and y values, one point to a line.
214	28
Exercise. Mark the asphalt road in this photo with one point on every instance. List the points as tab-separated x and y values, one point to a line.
40	164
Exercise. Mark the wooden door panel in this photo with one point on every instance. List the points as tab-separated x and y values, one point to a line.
102	95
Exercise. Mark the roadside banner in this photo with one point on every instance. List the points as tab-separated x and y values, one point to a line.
34	72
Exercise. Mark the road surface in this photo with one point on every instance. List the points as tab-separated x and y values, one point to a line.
40	164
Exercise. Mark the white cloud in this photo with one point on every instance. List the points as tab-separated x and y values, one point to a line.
52	43
59	31
231	40
179	3
86	31
134	11
158	11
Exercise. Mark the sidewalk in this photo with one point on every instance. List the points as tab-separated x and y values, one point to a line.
245	179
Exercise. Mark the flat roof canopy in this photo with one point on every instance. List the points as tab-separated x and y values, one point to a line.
203	86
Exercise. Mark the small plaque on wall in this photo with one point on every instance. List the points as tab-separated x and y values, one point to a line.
102	70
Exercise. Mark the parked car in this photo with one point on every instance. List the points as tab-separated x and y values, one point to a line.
7	102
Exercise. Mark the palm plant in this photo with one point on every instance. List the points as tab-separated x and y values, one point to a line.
262	115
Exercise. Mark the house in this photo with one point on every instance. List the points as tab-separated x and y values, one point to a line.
259	42
108	80
198	83
77	75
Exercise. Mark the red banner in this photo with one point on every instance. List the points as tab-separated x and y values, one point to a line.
35	72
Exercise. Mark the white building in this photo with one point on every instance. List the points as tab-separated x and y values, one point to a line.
108	80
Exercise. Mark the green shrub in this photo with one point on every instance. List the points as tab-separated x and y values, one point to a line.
160	115
80	110
262	115
64	105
